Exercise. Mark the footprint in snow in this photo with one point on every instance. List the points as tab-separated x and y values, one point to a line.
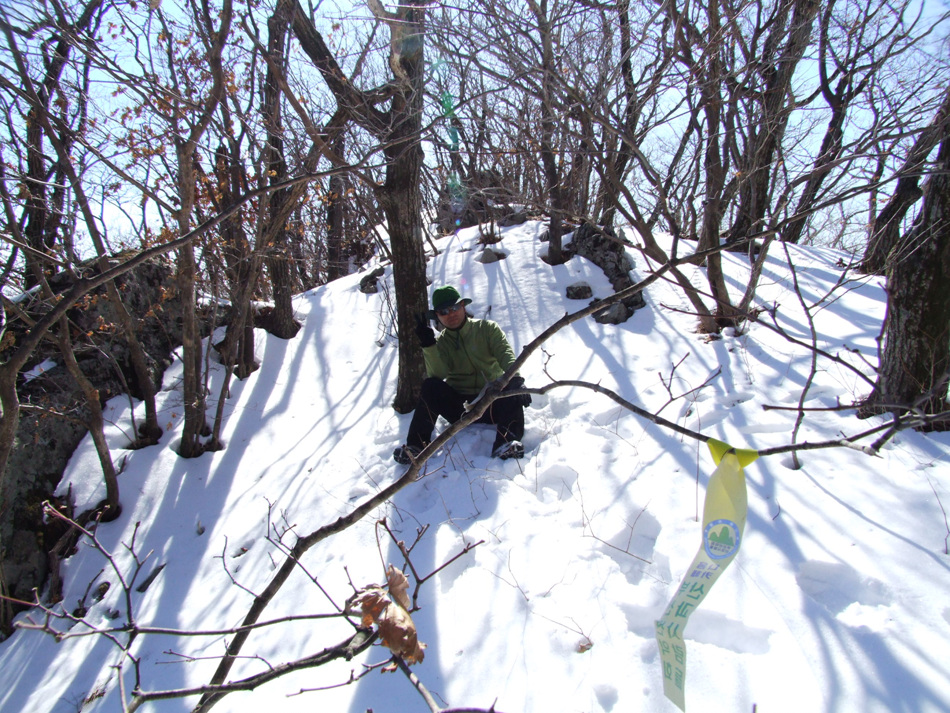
854	599
556	483
734	398
711	627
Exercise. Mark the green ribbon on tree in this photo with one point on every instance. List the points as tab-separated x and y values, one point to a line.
453	183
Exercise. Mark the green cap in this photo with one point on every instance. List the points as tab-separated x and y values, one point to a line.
446	297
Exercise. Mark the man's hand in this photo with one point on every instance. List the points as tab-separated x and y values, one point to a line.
424	331
517	382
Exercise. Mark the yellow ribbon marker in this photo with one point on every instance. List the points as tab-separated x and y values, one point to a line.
724	515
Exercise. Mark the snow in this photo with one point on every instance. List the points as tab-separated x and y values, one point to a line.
837	600
39	369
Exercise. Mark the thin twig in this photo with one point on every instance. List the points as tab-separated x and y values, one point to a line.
417	684
946	524
813	367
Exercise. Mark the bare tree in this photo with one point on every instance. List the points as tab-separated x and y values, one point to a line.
282	202
45	185
398	129
885	230
62	137
336	217
187	115
739	123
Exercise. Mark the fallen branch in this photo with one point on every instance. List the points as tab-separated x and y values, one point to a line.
347	649
890	429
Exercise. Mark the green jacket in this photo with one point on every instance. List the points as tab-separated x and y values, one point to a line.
469	357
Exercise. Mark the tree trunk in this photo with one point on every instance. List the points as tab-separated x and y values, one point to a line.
886	229
400	195
10	405
192	391
39	230
409	274
336	210
34	231
916	358
94	422
549	158
827	155
711	77
195	403
401	199
281	322
241	264
616	163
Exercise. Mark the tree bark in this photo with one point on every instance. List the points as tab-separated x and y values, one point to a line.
549	158
915	362
192	392
241	264
336	220
401	198
338	201
94	423
281	322
709	77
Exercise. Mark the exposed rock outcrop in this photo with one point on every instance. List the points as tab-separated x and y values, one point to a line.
53	408
606	250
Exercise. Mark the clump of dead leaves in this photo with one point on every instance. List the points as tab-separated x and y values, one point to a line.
390	612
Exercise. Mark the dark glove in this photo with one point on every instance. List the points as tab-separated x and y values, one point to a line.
424	331
517	382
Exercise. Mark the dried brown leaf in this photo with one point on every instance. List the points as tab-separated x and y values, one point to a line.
373	602
395	625
398	587
398	632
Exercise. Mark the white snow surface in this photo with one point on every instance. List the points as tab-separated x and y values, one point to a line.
837	601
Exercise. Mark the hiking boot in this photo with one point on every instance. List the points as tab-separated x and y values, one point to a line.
404	455
514	449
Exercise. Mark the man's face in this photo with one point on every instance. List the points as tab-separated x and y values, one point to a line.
452	317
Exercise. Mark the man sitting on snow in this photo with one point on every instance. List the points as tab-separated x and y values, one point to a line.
466	355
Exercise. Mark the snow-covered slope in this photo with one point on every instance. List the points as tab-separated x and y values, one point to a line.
836	602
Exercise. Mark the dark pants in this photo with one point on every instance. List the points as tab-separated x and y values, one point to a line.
439	399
